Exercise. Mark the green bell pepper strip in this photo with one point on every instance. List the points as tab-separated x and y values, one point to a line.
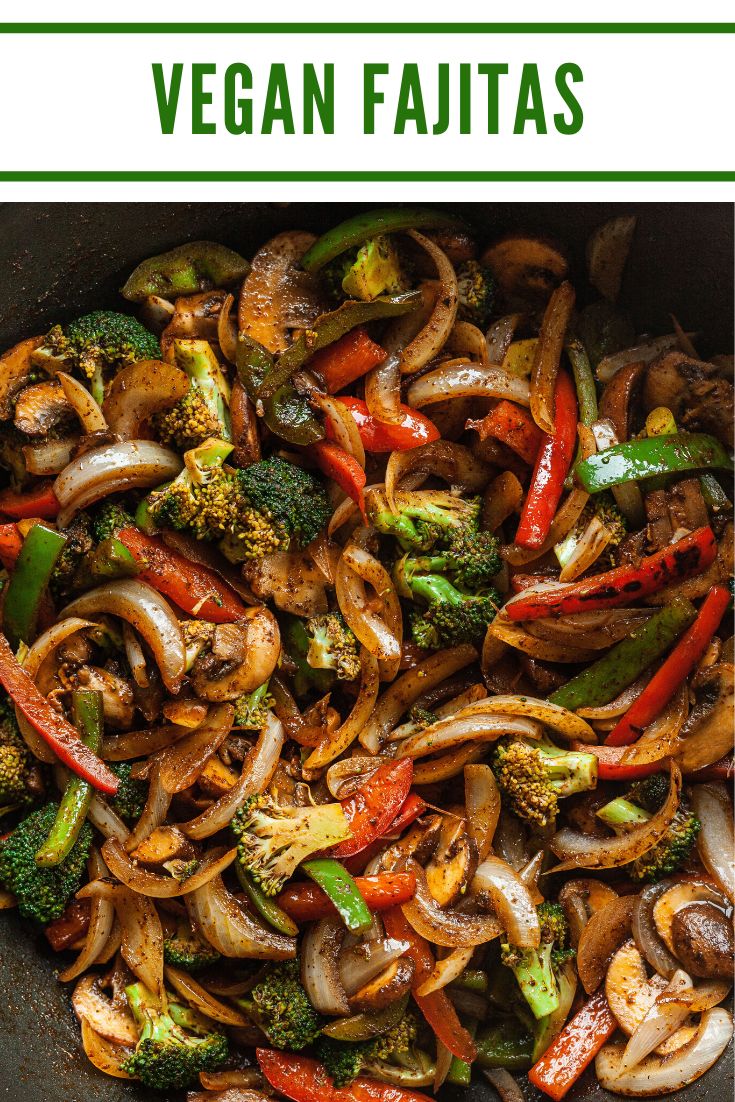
505	1045
29	581
372	223
605	679
111	559
367	1024
198	266
584	382
335	881
654	455
714	496
473	979
329	328
88	718
460	1071
286	412
266	907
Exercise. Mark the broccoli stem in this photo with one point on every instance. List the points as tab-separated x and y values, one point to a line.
535	976
70	818
621	813
433	588
199	362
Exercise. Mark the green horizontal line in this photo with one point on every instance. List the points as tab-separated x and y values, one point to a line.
275	176
367	28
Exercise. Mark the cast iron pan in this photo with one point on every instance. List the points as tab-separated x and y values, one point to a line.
58	260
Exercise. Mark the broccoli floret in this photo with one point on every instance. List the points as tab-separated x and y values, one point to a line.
97	345
399	1039
251	709
198	637
422	717
293	500
108	521
188	423
600	520
535	969
204	411
202	498
423	517
167	1056
364	273
273	840
471	560
186	950
17	765
343	1060
333	646
296	644
42	893
280	1007
451	616
79	541
533	776
477	293
671	851
131	796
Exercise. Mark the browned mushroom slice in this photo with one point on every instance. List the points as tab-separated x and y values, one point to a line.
708	732
268	293
245	434
15	371
453	864
526	267
703	940
165	843
41	407
581	898
419	843
682	895
392	984
195	317
242	657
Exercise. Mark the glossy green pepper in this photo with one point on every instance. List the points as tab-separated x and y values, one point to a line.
198	266
654	455
29	582
266	907
372	223
369	1024
336	883
286	413
505	1045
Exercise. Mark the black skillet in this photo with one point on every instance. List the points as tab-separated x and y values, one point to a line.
59	260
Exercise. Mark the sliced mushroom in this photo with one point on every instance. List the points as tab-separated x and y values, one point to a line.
703	940
118	701
581	898
245	434
391	984
195	317
453	864
681	895
41	407
619	398
291	579
631	994
15	371
268	292
526	267
420	843
107	1019
708	733
164	843
602	935
242	657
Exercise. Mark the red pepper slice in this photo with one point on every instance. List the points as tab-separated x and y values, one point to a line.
11	543
347	359
305	1080
41	502
307	902
511	425
412	808
690	555
574	1049
437	1007
609	766
342	468
414	429
56	731
674	671
195	589
374	805
553	461
72	924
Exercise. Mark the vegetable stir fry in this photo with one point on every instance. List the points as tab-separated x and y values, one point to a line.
367	669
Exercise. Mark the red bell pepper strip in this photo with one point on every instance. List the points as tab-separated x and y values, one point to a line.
690	555
56	731
574	1049
342	468
305	1080
413	430
437	1007
194	588
72	924
413	807
41	502
553	461
11	543
511	425
374	805
674	671
307	902
349	358
609	767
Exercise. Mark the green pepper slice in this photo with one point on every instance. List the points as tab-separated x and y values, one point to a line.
266	907
336	883
368	1024
605	679
29	581
369	224
329	328
505	1045
198	266
88	716
286	412
584	381
651	456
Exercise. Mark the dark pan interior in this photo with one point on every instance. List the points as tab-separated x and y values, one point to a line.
60	259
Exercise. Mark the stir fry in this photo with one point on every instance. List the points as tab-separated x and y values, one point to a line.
368	664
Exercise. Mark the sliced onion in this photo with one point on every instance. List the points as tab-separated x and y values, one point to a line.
380	634
110	469
135	657
597	631
464	379
467	340
383	390
362	963
236	1077
445	459
713	808
48	457
101	918
105	1055
145	882
154	812
510	841
257	770
343	423
530	873
227	330
320	967
451	732
432	338
200	999
344	776
335	744
151	616
406	690
90	415
703	997
446	927
586	851
142	938
138	744
511	899
499	337
181	764
443	1064
660	1022
620	704
482	801
647	938
639	353
446	970
548	354
107	821
504	1084
228	927
587	551
140	390
658	1075
448	765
